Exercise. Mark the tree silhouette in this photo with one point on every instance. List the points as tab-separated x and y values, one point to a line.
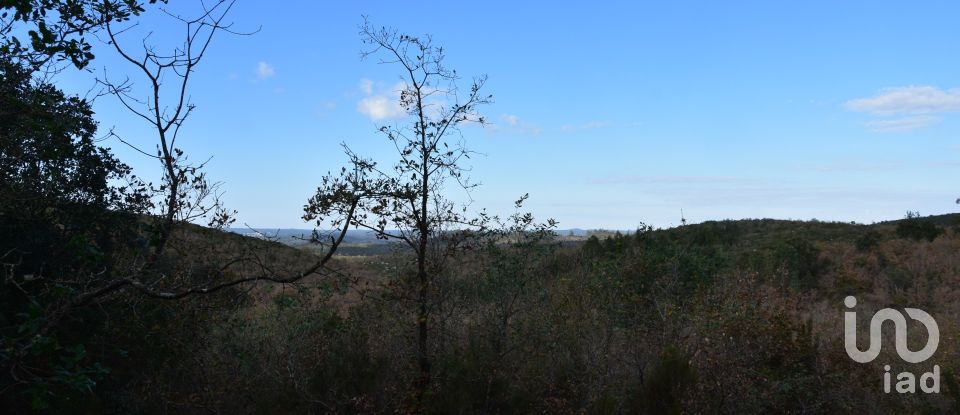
72	240
57	29
65	207
406	202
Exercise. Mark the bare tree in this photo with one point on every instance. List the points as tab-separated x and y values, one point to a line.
188	195
185	195
406	202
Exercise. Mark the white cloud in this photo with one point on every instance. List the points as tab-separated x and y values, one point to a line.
264	70
914	105
898	125
908	100
380	107
383	105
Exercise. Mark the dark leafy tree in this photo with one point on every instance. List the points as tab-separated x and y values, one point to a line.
868	240
65	204
916	228
57	30
669	380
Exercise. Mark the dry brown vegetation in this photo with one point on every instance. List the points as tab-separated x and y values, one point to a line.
684	320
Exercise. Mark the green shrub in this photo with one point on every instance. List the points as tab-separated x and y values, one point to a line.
868	241
669	381
918	229
801	258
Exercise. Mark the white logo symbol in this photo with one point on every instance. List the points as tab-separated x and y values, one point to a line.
907	382
900	333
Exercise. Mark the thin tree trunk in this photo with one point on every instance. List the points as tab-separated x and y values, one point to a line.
423	358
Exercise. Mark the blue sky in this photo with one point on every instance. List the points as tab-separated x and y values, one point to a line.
607	114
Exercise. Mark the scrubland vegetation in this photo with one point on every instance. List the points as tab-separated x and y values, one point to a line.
718	317
115	300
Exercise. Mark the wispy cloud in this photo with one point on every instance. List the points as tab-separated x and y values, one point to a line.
325	108
265	70
366	86
676	180
515	124
852	165
915	106
908	100
590	125
383	104
901	124
748	193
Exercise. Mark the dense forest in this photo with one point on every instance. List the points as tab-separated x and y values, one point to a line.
120	295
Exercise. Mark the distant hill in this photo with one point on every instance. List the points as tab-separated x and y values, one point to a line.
299	237
949	219
752	231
